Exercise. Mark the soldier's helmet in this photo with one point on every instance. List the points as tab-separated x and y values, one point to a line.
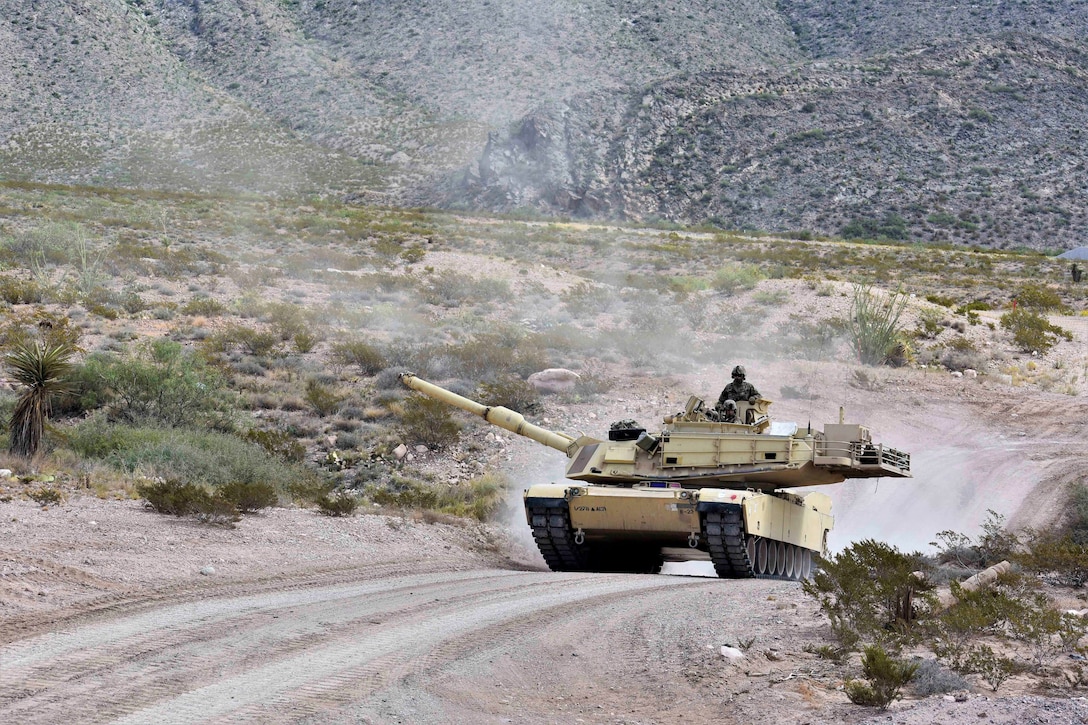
738	371
730	405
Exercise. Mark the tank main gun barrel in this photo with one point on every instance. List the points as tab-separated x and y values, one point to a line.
495	415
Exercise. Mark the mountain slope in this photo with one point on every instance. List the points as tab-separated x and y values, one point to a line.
977	144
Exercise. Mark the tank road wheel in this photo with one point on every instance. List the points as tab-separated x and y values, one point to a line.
555	539
806	564
788	552
760	564
770	564
723	529
784	557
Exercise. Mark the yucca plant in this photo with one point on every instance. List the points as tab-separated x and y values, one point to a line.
40	369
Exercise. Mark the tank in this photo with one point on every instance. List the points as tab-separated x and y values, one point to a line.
695	488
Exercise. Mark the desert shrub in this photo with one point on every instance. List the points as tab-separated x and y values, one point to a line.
477	498
1032	332
942	300
994	544
47	496
452	289
158	383
511	392
588	298
892	226
199	456
1077	523
179	498
1039	297
249	496
929	322
41	326
489	355
260	343
1058	559
321	398
737	278
16	291
838	655
341	503
278	443
286	319
427	421
173	497
358	352
933	679
203	306
871	591
874	324
962	357
771	298
993	669
305	341
887	675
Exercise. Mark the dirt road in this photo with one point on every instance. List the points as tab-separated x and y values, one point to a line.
451	647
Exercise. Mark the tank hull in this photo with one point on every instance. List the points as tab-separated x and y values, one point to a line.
745	533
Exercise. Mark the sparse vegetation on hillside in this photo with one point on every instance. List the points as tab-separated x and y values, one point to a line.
273	355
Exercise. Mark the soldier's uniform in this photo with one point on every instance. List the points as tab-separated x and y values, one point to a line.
739	389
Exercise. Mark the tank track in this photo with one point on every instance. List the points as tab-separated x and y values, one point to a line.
555	538
736	555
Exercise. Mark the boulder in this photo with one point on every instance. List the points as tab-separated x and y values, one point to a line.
554	380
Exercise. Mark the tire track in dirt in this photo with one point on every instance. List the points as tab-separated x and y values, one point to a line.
278	656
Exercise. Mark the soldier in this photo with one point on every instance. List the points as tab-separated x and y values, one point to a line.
727	412
739	389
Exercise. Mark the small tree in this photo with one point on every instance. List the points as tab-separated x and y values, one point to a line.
40	369
871	591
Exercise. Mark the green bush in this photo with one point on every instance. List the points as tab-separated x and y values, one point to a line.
342	503
1032	332
892	226
478	498
199	456
1039	297
249	496
203	306
453	289
737	278
887	676
178	498
278	443
429	422
322	399
286	319
20	292
47	496
357	352
511	392
1057	558
871	591
160	383
305	341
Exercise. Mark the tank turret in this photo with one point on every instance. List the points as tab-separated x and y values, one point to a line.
698	482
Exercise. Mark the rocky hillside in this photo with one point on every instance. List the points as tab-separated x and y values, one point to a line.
978	144
290	96
920	120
